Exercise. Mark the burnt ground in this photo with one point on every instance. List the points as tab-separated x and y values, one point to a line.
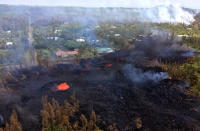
118	87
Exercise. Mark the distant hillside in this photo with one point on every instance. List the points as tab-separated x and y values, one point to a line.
163	13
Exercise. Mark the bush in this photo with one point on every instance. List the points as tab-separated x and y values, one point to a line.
86	52
64	118
67	117
188	72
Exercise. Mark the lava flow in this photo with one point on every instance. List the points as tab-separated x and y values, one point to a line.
63	86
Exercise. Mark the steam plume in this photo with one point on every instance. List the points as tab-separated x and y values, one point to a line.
171	13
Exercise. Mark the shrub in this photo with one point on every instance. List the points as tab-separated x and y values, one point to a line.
64	118
14	124
188	72
86	52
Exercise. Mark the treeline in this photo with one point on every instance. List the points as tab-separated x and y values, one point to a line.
188	72
179	29
193	42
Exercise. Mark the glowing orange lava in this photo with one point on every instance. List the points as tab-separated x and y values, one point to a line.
63	87
108	65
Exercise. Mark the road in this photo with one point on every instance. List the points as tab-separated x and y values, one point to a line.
32	59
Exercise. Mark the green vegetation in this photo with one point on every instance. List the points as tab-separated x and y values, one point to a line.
45	53
190	34
123	35
192	42
86	52
13	38
188	72
178	29
71	45
65	37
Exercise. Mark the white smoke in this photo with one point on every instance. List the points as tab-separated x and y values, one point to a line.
170	13
137	76
103	3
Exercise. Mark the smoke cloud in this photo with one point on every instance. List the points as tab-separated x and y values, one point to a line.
172	13
137	76
149	10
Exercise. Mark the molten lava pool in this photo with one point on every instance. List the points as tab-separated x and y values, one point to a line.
63	86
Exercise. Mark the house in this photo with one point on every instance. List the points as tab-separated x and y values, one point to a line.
113	27
53	38
104	50
9	31
61	53
80	40
9	43
50	38
57	31
95	41
181	36
117	35
56	38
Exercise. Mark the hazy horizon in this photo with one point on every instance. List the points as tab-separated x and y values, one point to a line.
104	3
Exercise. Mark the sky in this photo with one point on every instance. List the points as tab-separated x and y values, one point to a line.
104	3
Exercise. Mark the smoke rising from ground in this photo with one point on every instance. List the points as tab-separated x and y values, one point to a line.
138	77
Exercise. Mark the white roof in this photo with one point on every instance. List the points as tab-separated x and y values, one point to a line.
80	40
9	43
117	35
183	35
